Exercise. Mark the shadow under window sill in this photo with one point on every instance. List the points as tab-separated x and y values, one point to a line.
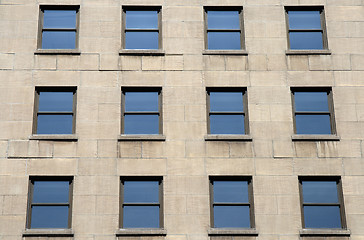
57	52
315	137
232	232
48	232
141	232
325	232
54	137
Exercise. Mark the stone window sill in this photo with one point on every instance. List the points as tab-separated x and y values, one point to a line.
308	52
142	52
54	137
232	232
315	137
228	137
225	52
141	232
57	52
48	233
325	232
127	137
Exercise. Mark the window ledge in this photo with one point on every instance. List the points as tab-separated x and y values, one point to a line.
142	52
228	137
54	137
225	52
141	232
48	232
326	232
57	52
308	52
127	137
233	232
315	137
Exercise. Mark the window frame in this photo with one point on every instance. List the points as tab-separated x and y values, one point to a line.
160	194
32	179
340	195
249	180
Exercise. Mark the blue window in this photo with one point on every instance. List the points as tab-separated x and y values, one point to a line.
141	28
306	28
231	202
141	110
313	111
227	110
50	201
55	111
59	27
141	202
322	203
224	28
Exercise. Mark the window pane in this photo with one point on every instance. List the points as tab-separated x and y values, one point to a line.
304	19
141	40
226	102
322	216
223	20
59	19
59	40
306	40
313	124
141	101
319	192
231	217
55	124
49	217
142	19
227	124
223	40
311	101
230	192
141	217
141	191
141	124
51	192
55	101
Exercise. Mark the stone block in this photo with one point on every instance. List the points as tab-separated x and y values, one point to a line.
175	149
143	167
109	62
214	63
318	167
153	149
217	149
83	205
99	166
107	149
185	78
277	62
258	62
241	150
305	149
96	185
175	204
226	78
173	63
236	63
298	63
64	149
266	166
283	149
195	148
52	167
320	62
193	62
6	61
152	63
110	208
229	166
181	166
265	204
129	149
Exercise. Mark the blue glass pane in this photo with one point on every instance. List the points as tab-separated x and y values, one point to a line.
141	40
231	192
141	19
59	40
305	40
141	191
49	217
322	216
51	192
141	124
223	20
141	101
55	124
227	124
319	192
223	40
226	102
59	19
311	101
313	124
231	217
55	101
141	217
304	19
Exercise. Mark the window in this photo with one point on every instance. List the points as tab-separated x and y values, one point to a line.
141	202
227	111
231	200
224	28
58	27
142	28
313	111
322	202
50	202
306	28
54	110
141	111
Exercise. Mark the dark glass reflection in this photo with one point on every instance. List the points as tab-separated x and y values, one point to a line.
313	124
59	40
223	40
49	217
322	216
227	124
311	101
231	192
319	192
141	101
141	40
141	191
51	192
304	19
59	19
141	19
306	40
223	20
141	217
231	217
226	102
55	101
141	124
54	124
